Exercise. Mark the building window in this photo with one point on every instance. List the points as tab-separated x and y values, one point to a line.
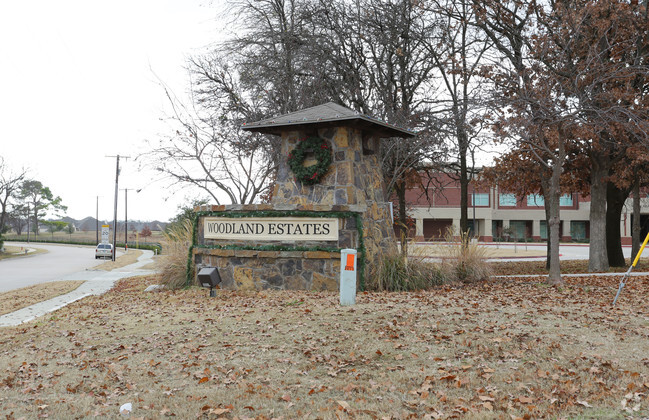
578	230
507	200
480	199
544	230
535	200
565	200
473	231
518	229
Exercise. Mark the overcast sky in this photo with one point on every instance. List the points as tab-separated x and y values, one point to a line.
80	80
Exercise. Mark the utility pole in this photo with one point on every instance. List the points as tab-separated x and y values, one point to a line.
115	213
97	219
475	230
126	218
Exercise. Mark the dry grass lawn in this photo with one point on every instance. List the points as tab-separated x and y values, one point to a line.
27	296
16	251
502	268
121	261
513	349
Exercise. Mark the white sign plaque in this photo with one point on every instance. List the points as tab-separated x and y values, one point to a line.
271	228
104	233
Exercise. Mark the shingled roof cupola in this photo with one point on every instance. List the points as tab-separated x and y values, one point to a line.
331	158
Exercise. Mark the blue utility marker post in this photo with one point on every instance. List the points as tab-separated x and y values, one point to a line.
348	277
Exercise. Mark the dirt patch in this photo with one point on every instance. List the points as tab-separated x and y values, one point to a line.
493	350
121	261
17	299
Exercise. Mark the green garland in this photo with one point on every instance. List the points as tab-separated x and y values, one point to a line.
310	175
279	213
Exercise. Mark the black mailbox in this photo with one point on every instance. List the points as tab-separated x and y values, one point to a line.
209	277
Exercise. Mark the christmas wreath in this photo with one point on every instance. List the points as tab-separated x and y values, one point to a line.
310	174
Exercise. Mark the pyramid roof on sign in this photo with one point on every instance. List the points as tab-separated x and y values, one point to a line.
326	115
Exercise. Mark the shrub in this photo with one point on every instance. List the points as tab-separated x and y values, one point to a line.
399	274
174	264
464	261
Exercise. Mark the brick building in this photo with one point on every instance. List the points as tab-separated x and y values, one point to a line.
500	215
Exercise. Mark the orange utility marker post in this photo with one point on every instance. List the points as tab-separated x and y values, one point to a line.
628	272
348	277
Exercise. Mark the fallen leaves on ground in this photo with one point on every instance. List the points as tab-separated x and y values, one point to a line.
21	298
513	268
121	261
509	349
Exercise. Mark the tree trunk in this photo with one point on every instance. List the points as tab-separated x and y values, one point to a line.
464	193
615	198
3	212
400	189
597	257
548	254
636	229
552	192
36	229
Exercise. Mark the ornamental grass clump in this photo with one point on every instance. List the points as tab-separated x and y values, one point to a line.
463	260
397	273
174	264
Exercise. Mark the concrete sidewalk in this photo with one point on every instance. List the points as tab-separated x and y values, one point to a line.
97	282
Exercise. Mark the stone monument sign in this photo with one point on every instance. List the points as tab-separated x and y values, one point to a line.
329	195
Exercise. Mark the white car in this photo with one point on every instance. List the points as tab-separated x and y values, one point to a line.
103	251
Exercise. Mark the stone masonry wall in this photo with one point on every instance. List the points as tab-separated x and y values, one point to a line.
355	178
280	270
251	269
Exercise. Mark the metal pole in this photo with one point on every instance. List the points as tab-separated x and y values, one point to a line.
97	219
474	226
115	215
126	220
626	275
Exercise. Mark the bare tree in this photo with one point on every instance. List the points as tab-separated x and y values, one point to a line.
528	103
597	51
10	183
207	155
379	64
591	58
259	72
289	54
458	50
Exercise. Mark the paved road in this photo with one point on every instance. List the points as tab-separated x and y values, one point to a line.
538	251
96	282
59	261
566	251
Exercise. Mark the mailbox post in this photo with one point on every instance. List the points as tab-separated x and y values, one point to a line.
348	277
